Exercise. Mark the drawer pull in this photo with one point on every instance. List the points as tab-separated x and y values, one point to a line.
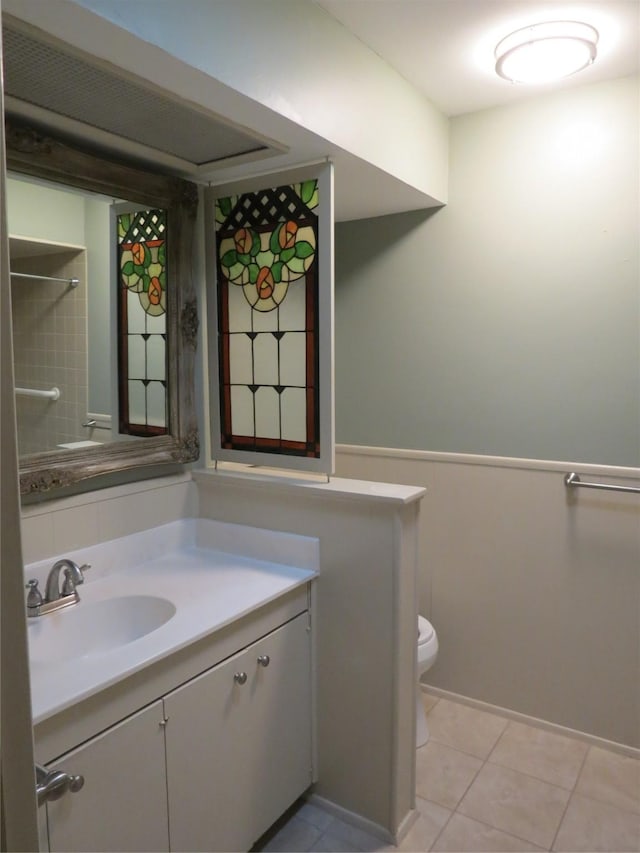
264	660
240	677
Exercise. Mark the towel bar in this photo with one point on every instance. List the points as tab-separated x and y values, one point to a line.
574	480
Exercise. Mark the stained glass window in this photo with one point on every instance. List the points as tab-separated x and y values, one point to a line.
268	270
142	321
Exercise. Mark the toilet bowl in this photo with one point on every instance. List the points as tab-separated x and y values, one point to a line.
427	653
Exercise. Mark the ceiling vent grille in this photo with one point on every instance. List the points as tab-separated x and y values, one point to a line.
50	77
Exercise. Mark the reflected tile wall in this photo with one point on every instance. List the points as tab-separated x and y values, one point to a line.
50	350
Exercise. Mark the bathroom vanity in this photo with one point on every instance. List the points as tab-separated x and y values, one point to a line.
198	734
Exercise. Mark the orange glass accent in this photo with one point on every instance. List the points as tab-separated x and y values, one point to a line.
287	235
155	291
243	241
264	284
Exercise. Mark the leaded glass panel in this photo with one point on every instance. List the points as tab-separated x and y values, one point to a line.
142	321
267	290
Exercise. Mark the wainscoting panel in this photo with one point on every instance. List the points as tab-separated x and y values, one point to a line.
534	590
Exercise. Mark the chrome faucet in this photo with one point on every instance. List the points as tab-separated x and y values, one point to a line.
73	577
56	598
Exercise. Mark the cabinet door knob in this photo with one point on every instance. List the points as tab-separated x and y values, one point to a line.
264	660
53	784
76	783
240	677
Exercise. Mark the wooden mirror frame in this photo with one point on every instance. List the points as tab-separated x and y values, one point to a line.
30	152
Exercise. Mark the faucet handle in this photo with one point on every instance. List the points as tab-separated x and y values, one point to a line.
69	584
73	578
34	597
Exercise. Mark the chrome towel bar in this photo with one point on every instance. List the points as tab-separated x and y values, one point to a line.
72	282
574	480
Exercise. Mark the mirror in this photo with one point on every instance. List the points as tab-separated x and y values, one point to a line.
105	323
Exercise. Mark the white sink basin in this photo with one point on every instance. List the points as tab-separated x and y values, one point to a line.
150	595
94	628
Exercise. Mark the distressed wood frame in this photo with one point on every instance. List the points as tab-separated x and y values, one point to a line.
30	152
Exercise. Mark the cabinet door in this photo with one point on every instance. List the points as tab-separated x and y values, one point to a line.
123	803
238	754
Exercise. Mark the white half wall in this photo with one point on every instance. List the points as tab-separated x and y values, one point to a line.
534	591
365	628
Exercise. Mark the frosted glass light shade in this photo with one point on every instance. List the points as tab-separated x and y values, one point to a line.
545	52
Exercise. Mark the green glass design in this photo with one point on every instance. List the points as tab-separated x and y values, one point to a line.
265	262
142	257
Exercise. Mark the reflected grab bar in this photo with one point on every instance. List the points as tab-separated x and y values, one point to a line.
53	394
574	480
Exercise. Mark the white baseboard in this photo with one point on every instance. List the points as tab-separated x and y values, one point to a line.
592	740
362	822
406	825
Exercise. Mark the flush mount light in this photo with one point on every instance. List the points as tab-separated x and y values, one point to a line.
544	52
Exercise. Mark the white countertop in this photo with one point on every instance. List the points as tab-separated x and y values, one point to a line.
209	588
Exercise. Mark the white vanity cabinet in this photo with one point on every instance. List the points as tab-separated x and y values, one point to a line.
238	743
123	803
218	752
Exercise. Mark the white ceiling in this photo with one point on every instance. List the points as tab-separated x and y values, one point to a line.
446	47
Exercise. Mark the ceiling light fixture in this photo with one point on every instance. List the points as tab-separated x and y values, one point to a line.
545	52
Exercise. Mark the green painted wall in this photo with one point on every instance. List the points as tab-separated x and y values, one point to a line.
508	322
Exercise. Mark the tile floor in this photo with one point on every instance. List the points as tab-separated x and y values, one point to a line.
485	783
